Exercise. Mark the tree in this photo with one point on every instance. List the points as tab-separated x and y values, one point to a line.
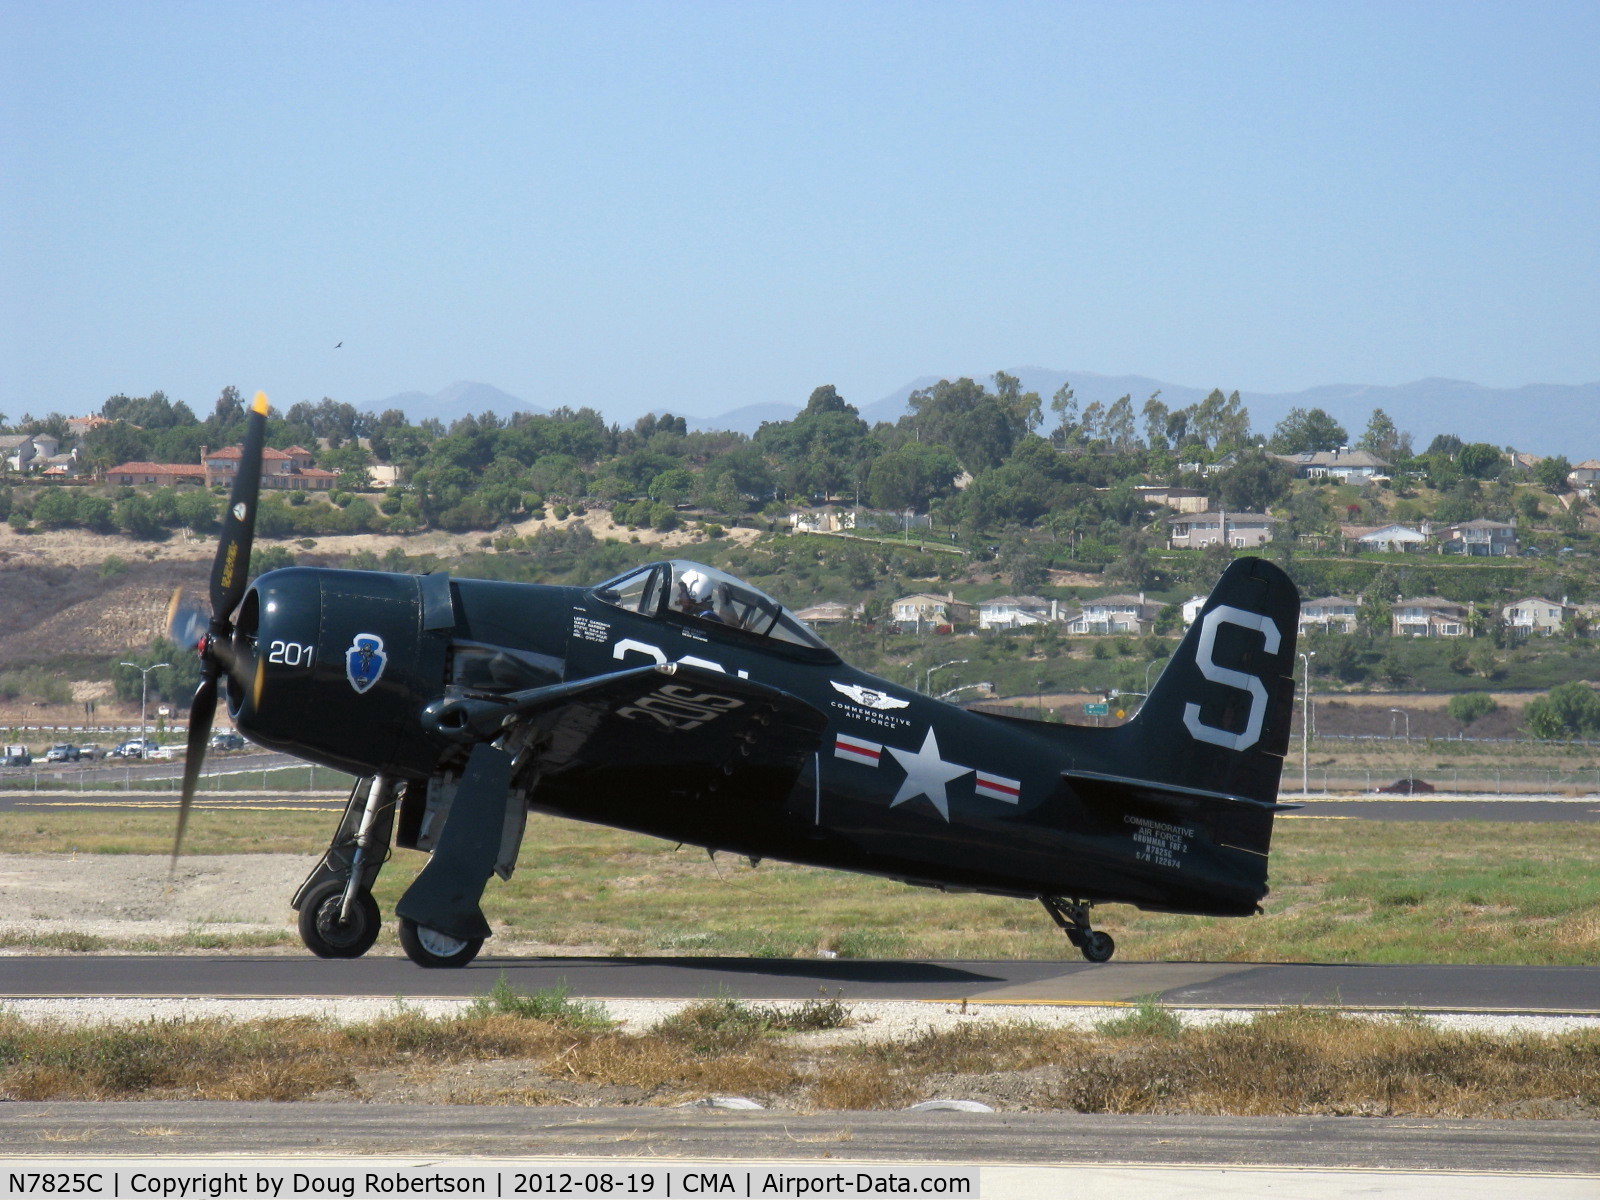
981	428
1381	437
911	476
1305	430
1468	707
1252	484
1551	473
671	487
1480	460
1119	428
1155	415
1065	406
1571	710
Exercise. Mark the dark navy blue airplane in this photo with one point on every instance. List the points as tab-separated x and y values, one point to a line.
680	702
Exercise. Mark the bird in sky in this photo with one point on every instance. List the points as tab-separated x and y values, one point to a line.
337	345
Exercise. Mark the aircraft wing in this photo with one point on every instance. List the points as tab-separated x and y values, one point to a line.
666	729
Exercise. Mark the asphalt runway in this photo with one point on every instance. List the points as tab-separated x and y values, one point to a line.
1366	808
1446	808
1493	989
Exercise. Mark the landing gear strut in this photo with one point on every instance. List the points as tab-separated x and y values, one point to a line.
338	916
1073	916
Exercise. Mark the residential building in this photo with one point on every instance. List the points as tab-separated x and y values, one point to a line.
1387	539
1534	615
1115	614
285	470
829	612
1341	464
1479	538
1429	616
1186	500
1190	609
926	609
1585	477
137	474
837	520
1331	614
1013	612
1241	530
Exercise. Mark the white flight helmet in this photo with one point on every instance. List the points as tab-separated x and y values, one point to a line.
696	585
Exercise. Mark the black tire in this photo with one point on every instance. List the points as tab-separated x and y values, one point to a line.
434	950
325	935
1098	946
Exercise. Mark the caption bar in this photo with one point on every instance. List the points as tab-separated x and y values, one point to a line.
213	1179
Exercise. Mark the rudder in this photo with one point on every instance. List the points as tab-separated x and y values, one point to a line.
1218	717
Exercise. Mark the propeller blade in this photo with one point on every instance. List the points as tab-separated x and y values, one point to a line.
243	668
231	568
202	711
186	623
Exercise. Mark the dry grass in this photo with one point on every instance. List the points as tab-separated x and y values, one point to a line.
1342	891
1289	1062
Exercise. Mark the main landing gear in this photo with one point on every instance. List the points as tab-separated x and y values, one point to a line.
1073	916
338	916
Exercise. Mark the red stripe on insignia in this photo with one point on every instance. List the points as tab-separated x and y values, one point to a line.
1008	787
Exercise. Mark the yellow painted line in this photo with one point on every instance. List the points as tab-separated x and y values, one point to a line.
1013	1002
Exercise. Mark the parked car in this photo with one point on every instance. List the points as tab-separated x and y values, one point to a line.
16	756
162	752
91	752
134	748
227	740
64	752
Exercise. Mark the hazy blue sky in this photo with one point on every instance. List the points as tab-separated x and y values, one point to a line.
697	206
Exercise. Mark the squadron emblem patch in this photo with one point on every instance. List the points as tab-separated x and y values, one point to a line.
364	661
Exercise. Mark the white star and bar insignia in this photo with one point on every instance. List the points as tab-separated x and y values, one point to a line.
927	772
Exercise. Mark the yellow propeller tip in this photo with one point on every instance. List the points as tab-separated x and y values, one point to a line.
260	405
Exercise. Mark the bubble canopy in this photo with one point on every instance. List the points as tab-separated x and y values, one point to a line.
707	597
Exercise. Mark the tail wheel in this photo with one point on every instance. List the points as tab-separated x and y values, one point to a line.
430	948
324	930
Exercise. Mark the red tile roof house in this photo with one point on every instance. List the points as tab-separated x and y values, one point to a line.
136	474
289	469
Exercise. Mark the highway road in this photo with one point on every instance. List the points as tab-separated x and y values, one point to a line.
1508	989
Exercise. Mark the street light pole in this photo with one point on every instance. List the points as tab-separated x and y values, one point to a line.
927	682
1411	776
144	691
1305	725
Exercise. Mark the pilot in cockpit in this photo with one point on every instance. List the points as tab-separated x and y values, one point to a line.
700	596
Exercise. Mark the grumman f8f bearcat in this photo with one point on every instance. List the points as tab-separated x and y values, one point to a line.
679	702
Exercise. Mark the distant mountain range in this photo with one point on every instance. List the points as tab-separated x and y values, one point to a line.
1541	418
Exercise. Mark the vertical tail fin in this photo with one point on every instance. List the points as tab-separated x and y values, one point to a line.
1218	717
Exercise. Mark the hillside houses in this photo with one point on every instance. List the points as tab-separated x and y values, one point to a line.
1344	465
284	470
1241	530
1534	616
1384	538
1429	616
1330	614
1115	614
1480	538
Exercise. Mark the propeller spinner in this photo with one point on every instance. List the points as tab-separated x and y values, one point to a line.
230	572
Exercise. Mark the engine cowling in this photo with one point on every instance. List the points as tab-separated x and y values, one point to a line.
348	666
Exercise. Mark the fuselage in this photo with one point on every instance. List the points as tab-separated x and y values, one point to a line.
899	784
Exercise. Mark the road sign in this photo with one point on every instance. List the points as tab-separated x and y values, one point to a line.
1097	710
